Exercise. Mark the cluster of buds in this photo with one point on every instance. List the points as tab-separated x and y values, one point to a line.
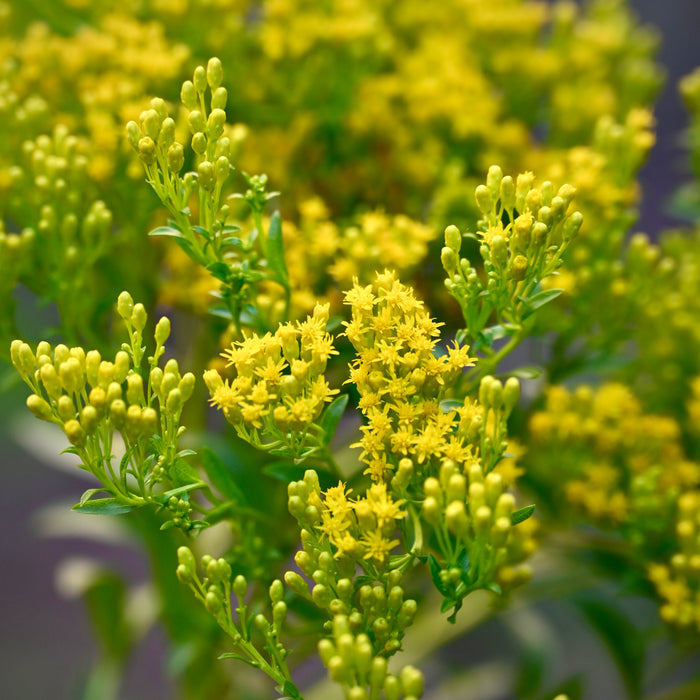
366	614
351	662
154	139
517	255
214	589
279	389
472	514
401	381
678	584
67	235
90	398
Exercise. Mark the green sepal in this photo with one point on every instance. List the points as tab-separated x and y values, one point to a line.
522	514
104	506
331	417
275	250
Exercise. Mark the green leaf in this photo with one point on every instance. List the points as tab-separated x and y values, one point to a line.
447	405
238	657
220	270
521	515
291	692
285	471
489	336
541	298
182	473
622	638
104	506
221	476
275	250
435	570
87	495
527	372
167	231
331	417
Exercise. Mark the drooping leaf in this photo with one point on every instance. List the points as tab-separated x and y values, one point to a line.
332	415
183	473
104	506
221	476
522	514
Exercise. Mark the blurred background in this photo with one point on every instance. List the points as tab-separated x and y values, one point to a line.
46	645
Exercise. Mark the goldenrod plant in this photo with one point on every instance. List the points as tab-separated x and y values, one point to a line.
414	367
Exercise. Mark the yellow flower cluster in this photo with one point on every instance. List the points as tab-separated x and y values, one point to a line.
368	614
441	459
279	389
622	465
400	380
678	583
96	79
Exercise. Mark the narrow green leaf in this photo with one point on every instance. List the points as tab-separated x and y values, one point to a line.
238	657
541	298
332	415
275	250
104	506
167	231
522	514
87	495
221	476
447	405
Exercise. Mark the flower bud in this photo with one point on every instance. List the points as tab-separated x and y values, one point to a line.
134	134
511	393
518	270
176	158
196	122
139	317
240	587
484	199
453	238
40	407
219	98
125	305
147	150
188	95
412	681
207	179
74	432
50	380
121	366
199	146
215	124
